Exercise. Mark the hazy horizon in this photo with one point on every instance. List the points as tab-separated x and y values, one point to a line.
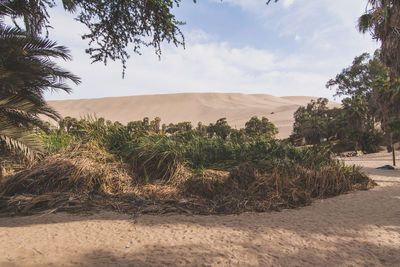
200	92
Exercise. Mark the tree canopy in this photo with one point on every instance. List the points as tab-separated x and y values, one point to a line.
372	96
382	20
113	26
370	81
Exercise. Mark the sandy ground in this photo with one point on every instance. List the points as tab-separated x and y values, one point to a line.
357	229
194	107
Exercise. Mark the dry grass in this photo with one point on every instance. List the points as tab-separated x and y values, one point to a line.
206	184
98	179
86	168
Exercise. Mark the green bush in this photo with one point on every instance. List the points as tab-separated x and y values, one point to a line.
55	141
155	157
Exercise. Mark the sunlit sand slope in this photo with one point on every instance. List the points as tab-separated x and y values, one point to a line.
193	107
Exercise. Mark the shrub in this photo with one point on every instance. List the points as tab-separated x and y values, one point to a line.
56	141
155	157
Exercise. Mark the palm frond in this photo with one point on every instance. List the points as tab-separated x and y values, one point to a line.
364	23
22	112
19	140
27	71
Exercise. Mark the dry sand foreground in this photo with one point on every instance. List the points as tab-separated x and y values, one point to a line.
193	107
361	228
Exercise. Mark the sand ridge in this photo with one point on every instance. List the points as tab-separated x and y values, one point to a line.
356	229
194	107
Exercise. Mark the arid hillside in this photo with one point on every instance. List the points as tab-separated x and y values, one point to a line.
193	107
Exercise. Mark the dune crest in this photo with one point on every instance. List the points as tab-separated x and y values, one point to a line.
194	107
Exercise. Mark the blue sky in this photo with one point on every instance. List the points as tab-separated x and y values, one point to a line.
290	48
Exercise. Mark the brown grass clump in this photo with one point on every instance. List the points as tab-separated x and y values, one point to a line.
292	185
287	186
206	184
242	176
85	168
157	192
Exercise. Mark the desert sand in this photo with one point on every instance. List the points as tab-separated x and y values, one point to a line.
356	229
194	107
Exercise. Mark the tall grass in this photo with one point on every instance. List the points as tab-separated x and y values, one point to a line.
56	141
155	157
231	174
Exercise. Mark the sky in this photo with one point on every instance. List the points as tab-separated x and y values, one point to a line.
288	48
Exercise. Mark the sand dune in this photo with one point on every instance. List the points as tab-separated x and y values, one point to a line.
357	229
193	107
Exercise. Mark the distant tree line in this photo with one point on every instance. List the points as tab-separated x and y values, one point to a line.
367	118
255	127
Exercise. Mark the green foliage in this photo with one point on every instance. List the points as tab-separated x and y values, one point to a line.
373	97
181	130
202	152
395	125
360	126
137	127
185	145
155	157
114	137
357	79
113	26
394	128
16	140
256	127
351	127
312	122
220	129
382	20
56	141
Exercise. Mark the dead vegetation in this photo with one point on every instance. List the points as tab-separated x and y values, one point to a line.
87	178
85	168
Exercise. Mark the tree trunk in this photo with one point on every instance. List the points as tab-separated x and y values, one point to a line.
394	156
393	150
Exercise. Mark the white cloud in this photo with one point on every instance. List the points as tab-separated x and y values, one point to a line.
256	6
204	66
287	3
209	64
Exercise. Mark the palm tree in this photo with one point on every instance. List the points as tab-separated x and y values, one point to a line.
27	71
382	19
